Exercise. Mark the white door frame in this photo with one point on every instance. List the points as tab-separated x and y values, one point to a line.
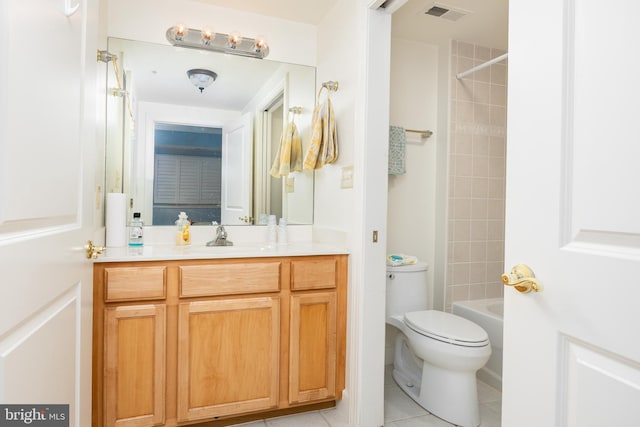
367	282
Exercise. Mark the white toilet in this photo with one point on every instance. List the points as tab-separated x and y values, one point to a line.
436	353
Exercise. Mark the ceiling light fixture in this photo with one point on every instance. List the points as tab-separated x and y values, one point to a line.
233	43
201	78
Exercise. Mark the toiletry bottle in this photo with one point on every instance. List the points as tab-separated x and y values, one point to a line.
135	230
272	232
183	233
282	232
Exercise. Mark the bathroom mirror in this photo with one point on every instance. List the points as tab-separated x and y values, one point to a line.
173	145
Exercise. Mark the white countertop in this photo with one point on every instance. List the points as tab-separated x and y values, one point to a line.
244	250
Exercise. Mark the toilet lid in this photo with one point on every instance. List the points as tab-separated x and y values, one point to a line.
447	327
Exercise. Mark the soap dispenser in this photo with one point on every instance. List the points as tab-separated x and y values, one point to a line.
183	233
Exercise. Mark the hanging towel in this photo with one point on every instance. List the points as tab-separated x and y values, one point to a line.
289	157
323	148
397	150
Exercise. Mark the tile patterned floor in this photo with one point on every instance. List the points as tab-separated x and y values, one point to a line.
399	411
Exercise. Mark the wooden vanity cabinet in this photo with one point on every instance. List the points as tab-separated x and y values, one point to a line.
312	352
228	342
218	341
313	348
135	379
238	377
132	350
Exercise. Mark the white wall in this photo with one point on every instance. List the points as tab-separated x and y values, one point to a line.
333	206
412	201
148	20
442	177
337	41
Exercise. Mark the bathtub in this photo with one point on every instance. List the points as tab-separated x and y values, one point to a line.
488	314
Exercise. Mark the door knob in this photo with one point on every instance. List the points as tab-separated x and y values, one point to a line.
92	250
246	219
523	279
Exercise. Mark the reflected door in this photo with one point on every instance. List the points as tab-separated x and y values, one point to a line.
237	139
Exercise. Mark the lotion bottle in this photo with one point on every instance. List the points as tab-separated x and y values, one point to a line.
183	232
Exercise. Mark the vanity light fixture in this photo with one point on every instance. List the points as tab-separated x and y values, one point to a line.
233	43
201	78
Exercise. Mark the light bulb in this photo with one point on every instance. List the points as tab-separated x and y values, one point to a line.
181	31
234	39
207	36
260	44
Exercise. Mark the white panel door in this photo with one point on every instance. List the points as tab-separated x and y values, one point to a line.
237	140
47	150
572	351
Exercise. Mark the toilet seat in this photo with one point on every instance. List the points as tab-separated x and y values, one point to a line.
447	327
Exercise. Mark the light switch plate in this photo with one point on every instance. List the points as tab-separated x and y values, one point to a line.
347	177
289	186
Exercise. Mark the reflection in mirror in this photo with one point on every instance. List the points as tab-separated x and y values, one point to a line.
187	173
172	147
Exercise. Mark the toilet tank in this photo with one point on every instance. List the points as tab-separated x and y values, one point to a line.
406	289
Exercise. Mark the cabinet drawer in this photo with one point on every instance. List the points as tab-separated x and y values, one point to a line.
135	283
313	274
227	279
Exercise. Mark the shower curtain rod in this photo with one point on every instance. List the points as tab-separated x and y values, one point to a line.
481	66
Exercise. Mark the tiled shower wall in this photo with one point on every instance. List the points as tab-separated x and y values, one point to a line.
476	175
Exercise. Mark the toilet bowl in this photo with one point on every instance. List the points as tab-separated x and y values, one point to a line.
436	354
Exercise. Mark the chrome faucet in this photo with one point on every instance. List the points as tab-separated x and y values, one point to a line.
221	237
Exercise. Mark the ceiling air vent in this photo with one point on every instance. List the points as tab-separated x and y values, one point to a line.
446	12
437	11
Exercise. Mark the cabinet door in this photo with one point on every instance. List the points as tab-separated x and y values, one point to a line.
313	347
135	365
228	356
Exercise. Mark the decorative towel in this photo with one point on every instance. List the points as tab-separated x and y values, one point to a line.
289	157
323	148
395	260
397	150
